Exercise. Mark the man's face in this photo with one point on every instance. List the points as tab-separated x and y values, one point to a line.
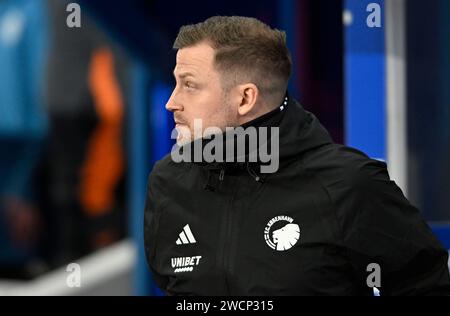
198	93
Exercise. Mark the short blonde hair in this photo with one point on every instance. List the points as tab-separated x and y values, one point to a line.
246	50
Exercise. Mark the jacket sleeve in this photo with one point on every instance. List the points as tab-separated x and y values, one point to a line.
380	226
152	214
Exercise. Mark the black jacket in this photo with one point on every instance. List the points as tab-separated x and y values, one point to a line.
312	228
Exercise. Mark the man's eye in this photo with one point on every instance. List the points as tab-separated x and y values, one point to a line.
188	85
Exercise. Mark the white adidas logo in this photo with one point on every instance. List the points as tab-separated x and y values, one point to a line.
186	236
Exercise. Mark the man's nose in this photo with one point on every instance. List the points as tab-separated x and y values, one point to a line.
173	105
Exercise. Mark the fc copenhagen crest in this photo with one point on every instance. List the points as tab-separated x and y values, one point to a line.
281	233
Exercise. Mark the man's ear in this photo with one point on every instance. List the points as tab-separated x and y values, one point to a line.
248	94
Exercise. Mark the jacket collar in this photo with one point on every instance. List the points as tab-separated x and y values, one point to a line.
299	131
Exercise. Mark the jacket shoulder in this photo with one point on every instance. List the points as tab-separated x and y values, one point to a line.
164	174
337	165
166	167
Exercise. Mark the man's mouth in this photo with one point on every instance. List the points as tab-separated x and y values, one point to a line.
179	122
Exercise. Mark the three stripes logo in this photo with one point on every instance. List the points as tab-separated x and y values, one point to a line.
186	236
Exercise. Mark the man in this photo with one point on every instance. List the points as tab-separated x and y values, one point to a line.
326	220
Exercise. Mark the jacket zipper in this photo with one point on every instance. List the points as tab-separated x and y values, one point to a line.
227	234
228	242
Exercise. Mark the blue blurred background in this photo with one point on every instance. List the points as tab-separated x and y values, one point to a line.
82	118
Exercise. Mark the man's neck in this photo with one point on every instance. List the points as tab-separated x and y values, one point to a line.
270	117
263	110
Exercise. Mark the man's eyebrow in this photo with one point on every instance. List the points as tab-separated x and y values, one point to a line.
183	74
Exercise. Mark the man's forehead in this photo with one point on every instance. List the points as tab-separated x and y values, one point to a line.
194	58
185	69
